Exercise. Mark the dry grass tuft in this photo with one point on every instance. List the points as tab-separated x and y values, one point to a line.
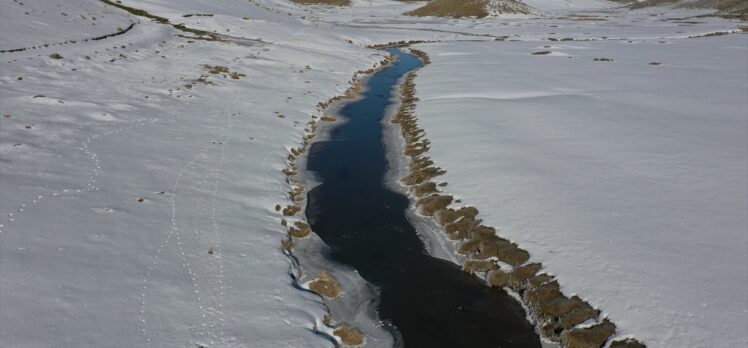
520	275
401	43
452	8
218	69
424	189
421	55
483	243
325	285
478	266
328	118
498	279
300	229
291	210
323	2
431	204
286	245
590	337
448	216
348	335
461	228
627	343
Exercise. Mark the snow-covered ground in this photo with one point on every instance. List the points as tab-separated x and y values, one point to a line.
85	262
139	212
627	180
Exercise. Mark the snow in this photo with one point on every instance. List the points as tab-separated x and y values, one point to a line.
626	180
83	262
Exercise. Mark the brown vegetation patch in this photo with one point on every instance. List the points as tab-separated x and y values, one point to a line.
323	2
461	228
291	210
498	279
300	229
421	55
136	11
520	275
55	56
200	34
478	266
286	245
325	285
329	118
590	337
431	204
401	43
452	8
483	243
423	189
448	216
627	343
348	335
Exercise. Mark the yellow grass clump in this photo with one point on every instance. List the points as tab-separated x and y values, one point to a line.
590	337
300	229
478	266
452	8
348	335
325	285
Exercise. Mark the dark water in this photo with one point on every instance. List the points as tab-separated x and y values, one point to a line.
431	302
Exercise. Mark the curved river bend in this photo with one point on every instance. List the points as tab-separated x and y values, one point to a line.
431	302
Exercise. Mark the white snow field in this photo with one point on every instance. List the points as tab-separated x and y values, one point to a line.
627	180
137	211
